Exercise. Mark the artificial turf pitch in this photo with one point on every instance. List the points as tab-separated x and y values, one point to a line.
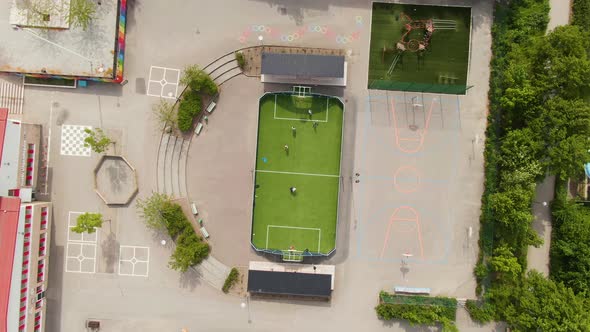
443	66
306	219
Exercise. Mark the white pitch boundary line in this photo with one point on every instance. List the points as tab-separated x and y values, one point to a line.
295	173
295	227
302	119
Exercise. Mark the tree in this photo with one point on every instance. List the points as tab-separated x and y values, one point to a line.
570	246
82	12
198	80
190	250
505	264
97	140
165	114
152	209
88	222
541	304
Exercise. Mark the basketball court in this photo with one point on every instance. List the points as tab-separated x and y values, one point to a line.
407	170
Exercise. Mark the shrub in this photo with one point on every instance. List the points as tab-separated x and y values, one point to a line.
190	250
231	279
241	60
481	313
190	106
581	14
418	309
198	80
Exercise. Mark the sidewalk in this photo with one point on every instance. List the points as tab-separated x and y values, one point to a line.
559	13
538	258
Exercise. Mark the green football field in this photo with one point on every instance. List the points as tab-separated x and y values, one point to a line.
442	67
306	219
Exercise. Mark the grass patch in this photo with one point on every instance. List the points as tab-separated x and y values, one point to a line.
50	81
442	67
231	279
281	218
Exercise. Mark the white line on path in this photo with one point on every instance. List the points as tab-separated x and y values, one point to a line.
295	173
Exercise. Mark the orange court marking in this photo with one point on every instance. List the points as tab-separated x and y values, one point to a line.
421	132
395	218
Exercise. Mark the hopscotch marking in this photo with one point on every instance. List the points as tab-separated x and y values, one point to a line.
163	82
140	259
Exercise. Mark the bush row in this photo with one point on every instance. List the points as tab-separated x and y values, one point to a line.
231	279
199	83
418	310
190	248
581	14
190	106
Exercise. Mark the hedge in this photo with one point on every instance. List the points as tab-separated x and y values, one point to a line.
241	60
231	279
190	248
581	14
190	107
418	309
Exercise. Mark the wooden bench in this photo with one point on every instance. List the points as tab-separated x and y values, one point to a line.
411	290
199	128
204	232
211	107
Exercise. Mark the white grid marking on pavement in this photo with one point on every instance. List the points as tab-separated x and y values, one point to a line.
163	82
76	237
76	260
133	262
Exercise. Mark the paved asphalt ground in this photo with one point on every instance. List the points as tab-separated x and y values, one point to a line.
436	183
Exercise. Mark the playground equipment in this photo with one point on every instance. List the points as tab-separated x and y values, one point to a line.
407	42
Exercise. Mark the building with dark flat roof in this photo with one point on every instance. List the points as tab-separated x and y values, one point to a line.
312	69
314	282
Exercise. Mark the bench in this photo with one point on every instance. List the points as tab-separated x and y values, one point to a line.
411	290
211	107
199	128
204	232
194	208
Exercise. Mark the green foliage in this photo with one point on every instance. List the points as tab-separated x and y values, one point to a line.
165	114
88	222
505	264
82	12
190	106
418	309
153	208
198	80
175	220
190	250
97	140
160	213
541	304
581	14
570	245
241	59
231	279
480	312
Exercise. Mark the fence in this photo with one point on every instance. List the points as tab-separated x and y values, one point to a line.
454	89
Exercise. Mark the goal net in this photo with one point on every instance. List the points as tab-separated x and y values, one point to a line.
292	256
301	91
